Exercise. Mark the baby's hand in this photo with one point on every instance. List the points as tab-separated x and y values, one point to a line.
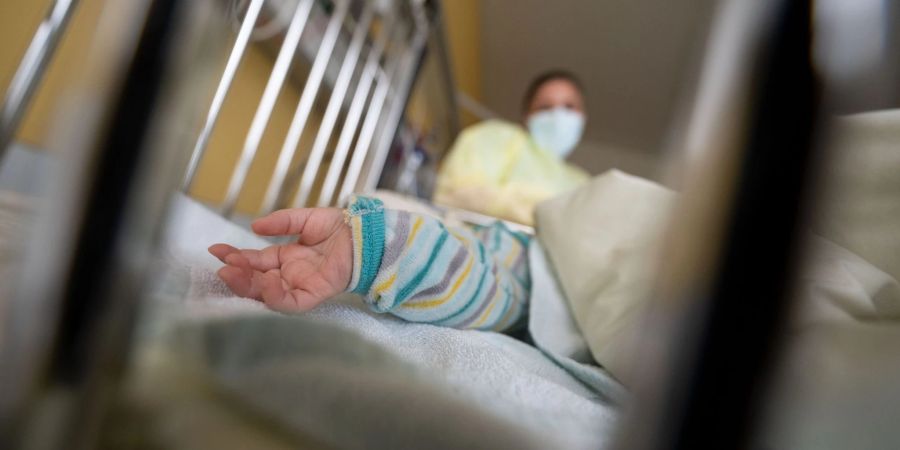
292	277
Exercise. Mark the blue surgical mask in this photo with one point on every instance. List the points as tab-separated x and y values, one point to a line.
557	130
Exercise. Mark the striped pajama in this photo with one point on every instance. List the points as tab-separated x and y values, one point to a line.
414	267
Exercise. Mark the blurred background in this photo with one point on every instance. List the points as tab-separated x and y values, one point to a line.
634	58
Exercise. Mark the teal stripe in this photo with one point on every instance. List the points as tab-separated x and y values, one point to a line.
523	238
480	246
524	283
505	308
484	274
414	283
364	205
373	249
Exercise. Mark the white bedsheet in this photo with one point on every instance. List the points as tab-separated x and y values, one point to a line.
354	379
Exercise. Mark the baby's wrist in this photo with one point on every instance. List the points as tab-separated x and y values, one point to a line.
365	217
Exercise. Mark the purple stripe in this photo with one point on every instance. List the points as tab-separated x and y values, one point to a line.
454	266
519	260
394	249
484	304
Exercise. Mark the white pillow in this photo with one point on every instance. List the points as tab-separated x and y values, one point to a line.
860	210
602	240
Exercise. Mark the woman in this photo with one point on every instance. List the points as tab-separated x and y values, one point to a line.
500	169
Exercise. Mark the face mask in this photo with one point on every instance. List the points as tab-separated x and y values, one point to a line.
557	130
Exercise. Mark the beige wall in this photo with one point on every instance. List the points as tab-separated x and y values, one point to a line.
463	26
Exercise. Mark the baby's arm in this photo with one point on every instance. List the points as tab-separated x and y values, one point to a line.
418	269
406	264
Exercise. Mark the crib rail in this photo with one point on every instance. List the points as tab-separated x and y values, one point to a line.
31	70
360	69
68	323
377	48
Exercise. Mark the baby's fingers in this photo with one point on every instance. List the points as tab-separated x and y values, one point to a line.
283	222
263	260
220	251
238	259
242	281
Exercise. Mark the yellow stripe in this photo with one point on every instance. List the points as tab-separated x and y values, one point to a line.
455	234
387	284
415	229
484	315
357	229
493	301
440	301
390	281
512	255
357	250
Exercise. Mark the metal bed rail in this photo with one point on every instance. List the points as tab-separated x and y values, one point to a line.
383	45
363	69
31	70
70	321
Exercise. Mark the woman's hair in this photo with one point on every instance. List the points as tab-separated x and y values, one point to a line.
545	77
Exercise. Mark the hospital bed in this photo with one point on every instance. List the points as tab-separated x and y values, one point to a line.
120	346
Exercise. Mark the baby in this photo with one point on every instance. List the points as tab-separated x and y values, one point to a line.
402	263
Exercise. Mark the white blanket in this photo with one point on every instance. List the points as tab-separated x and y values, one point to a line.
354	379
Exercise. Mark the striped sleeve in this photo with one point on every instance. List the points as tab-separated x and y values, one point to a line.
416	268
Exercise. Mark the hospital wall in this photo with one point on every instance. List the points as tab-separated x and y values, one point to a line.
463	20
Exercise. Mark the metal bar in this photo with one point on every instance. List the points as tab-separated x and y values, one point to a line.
234	60
751	291
711	365
267	104
103	247
304	106
31	70
353	115
398	106
311	169
368	131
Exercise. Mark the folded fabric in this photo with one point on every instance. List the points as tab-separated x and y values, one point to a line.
860	210
550	321
602	240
